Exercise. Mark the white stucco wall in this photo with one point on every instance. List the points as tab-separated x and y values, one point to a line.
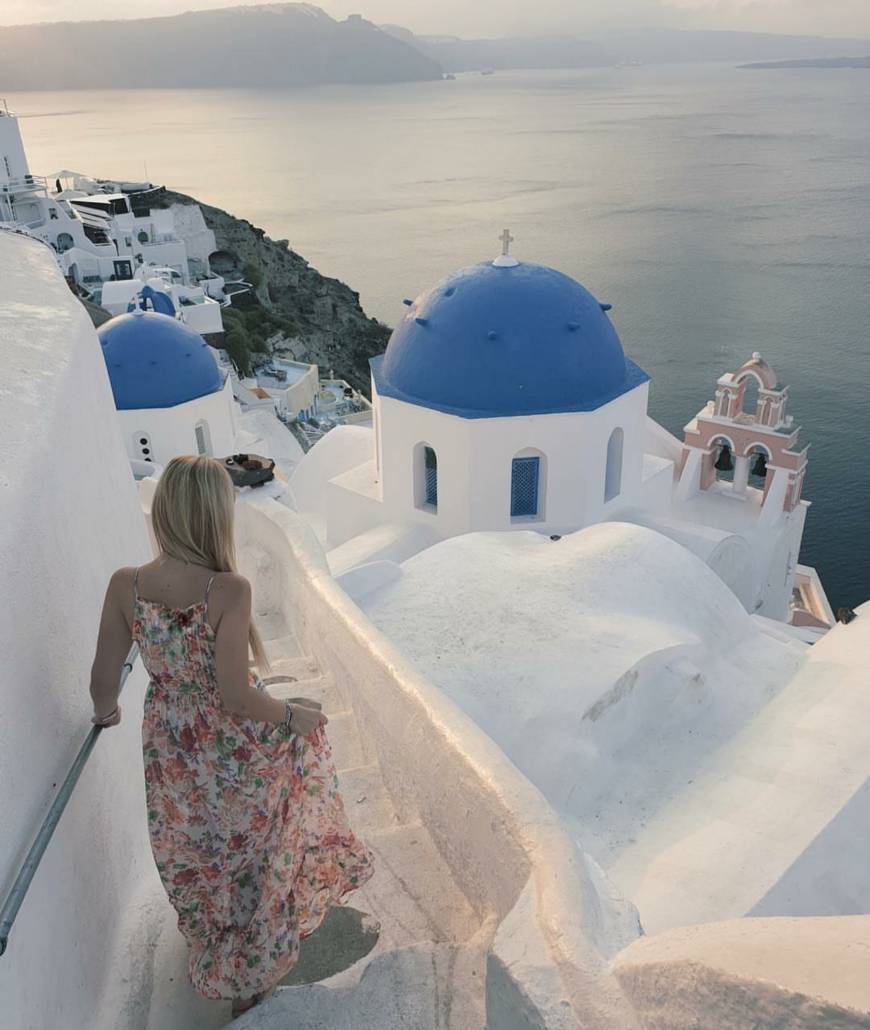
474	463
68	518
12	149
344	448
190	225
173	430
558	920
800	974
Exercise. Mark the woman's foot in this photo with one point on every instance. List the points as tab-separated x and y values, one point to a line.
242	1005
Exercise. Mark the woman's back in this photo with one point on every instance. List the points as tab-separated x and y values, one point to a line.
176	635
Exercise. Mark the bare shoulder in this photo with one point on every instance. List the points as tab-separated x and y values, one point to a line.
121	581
230	588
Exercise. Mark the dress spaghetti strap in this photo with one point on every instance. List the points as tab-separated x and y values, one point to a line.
207	589
136	585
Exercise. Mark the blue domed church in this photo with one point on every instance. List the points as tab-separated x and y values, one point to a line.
171	396
504	399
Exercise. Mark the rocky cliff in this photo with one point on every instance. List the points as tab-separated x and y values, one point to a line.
320	319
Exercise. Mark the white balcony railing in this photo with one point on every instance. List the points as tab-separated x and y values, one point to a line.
24	184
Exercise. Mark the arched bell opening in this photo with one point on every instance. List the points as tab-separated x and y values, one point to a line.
751	391
759	457
722	451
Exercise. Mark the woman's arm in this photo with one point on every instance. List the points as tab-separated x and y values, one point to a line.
113	645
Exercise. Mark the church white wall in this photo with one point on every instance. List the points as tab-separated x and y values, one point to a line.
172	431
475	456
401	428
69	517
778	551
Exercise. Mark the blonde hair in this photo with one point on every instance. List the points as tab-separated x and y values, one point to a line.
192	515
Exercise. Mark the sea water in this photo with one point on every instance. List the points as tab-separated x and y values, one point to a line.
721	211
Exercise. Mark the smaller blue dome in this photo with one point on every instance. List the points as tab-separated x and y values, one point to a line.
155	361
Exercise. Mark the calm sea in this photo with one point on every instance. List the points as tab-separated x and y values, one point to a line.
720	211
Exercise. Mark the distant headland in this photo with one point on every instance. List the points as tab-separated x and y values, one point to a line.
825	62
262	46
297	44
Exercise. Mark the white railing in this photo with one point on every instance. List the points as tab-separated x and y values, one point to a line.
24	184
18	891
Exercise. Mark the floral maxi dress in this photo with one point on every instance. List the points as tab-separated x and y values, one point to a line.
247	827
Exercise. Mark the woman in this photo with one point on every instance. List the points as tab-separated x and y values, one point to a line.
247	827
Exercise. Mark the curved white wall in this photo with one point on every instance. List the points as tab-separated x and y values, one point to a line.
558	919
68	517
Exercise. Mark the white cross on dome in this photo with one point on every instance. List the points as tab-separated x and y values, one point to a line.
506	259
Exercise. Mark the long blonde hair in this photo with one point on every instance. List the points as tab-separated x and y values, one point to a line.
192	515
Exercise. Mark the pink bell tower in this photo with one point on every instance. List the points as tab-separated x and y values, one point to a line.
724	438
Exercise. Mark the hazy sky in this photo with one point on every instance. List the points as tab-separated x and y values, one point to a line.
503	17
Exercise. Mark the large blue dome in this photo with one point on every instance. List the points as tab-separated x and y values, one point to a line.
155	361
500	340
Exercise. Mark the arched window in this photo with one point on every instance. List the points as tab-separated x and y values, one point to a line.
526	493
613	475
425	477
203	437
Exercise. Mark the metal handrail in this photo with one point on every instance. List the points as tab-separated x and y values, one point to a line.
28	868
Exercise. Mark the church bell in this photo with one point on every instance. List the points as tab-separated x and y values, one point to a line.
759	466
724	462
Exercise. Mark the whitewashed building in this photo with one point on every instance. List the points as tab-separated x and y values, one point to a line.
103	245
170	394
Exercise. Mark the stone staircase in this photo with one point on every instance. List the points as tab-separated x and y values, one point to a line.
427	967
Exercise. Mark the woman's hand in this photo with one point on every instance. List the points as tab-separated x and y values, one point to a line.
112	719
306	718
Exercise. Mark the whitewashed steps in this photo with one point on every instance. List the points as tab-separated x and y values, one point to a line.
413	894
279	643
368	804
425	987
300	667
271	625
320	689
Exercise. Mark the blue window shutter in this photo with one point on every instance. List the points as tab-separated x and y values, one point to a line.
430	462
525	474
